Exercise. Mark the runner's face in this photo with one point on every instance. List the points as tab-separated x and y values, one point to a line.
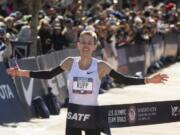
86	45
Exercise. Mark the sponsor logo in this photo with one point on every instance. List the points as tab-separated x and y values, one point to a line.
146	113
78	116
132	115
136	59
6	92
117	116
175	110
90	72
28	91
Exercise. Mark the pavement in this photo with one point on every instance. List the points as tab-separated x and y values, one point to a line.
55	125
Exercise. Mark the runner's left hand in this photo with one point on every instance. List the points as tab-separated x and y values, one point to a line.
159	78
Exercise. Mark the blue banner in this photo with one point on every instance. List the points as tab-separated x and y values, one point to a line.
11	107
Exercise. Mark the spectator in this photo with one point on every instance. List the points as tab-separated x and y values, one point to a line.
58	40
25	32
44	31
11	30
70	32
5	46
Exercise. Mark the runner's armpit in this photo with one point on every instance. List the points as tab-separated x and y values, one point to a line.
66	64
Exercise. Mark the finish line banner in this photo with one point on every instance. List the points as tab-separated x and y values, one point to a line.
115	116
142	113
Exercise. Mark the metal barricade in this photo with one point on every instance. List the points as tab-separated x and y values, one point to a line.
20	49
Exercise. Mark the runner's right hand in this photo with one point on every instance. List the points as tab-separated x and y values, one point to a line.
12	71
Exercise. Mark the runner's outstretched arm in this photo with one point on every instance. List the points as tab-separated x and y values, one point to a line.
46	74
41	74
105	69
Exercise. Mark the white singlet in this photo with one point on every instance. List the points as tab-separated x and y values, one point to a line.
83	85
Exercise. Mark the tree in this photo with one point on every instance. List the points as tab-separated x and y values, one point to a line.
34	7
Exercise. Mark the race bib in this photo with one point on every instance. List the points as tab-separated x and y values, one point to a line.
82	85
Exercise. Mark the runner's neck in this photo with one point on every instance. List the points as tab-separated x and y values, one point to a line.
85	63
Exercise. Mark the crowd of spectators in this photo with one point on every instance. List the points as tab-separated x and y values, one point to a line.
59	27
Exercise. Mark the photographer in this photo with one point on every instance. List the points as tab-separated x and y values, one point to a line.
5	46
